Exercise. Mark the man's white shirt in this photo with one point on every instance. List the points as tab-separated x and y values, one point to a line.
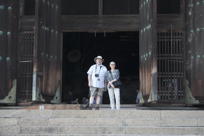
101	70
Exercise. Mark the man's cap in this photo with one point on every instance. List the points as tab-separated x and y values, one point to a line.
98	57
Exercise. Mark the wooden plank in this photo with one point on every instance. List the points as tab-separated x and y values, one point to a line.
108	23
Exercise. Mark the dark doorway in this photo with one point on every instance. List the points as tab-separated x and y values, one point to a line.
79	50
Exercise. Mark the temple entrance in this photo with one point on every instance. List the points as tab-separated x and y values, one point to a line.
79	50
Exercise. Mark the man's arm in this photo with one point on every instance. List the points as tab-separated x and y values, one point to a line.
89	80
90	72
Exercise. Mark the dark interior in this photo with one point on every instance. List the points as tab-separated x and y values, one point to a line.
79	50
122	7
168	6
79	7
29	7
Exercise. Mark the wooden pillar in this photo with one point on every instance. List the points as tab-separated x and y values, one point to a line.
195	49
47	52
148	42
8	55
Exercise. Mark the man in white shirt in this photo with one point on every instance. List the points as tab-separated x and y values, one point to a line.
96	81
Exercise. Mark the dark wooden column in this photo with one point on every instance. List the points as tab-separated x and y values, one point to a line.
8	45
148	41
47	52
195	50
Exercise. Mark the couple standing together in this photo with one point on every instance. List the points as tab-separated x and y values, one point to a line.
99	78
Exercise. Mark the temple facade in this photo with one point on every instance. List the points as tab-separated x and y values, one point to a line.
46	47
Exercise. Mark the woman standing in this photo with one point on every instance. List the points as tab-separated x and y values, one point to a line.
113	85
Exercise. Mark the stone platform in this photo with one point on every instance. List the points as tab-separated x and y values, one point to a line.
68	120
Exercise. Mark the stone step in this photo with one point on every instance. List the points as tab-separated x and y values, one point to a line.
101	123
127	114
92	135
103	130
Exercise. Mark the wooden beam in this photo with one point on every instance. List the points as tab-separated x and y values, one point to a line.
107	23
